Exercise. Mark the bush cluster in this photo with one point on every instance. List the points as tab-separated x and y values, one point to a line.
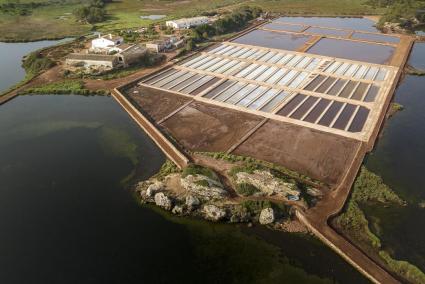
35	63
246	189
92	13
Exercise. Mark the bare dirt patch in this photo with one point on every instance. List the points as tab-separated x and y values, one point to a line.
319	155
203	127
156	104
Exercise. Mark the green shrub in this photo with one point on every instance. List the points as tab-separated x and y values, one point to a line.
34	63
409	271
370	187
193	169
246	189
255	206
202	182
166	169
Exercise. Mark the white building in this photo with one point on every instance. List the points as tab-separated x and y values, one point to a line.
186	23
105	43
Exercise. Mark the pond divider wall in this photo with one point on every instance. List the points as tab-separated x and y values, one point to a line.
168	148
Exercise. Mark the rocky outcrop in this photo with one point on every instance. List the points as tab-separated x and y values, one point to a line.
154	188
214	213
177	210
268	184
239	214
192	202
163	201
203	187
267	216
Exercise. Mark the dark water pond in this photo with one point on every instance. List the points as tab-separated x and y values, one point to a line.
272	39
368	52
399	158
361	24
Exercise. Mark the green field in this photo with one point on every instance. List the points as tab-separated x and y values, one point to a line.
55	19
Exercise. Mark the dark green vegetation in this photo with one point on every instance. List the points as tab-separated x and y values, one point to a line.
35	63
246	189
20	9
94	12
166	169
404	12
254	207
369	189
193	169
64	87
232	22
394	108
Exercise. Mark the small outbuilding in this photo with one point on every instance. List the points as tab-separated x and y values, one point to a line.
159	45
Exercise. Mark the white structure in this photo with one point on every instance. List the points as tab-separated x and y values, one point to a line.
106	42
186	23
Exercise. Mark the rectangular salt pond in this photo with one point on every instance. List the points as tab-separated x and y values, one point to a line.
376	37
271	39
283	27
332	22
360	51
325	31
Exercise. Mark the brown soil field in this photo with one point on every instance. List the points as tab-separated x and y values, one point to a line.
204	127
154	103
322	156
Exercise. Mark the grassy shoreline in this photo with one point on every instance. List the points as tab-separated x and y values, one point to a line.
353	223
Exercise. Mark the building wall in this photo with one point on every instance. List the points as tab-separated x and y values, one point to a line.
98	63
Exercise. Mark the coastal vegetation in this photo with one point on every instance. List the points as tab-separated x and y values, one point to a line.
74	87
394	108
409	69
246	189
370	189
35	62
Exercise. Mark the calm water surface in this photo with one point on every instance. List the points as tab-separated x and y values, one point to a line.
11	55
360	24
399	158
67	217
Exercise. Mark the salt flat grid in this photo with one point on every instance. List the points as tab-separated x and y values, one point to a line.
334	95
341	33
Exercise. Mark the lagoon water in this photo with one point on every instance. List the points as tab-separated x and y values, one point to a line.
11	55
399	157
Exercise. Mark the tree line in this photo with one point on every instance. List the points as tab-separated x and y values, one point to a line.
92	13
232	22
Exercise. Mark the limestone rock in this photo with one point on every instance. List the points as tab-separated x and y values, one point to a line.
267	183
214	213
163	201
192	201
266	216
214	189
177	210
154	188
